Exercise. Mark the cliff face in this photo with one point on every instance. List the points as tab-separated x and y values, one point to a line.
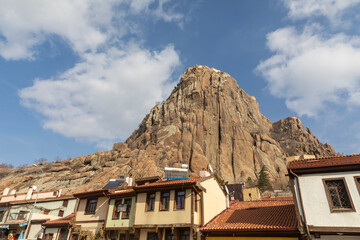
207	119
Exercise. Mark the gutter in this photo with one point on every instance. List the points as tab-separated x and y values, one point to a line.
301	207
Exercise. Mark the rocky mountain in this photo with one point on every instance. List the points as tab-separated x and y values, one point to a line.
207	119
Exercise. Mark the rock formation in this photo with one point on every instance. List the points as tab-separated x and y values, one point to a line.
207	119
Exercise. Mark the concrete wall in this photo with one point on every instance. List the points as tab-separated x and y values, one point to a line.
5	209
173	216
110	223
53	231
100	212
316	205
255	194
53	206
92	222
35	231
214	199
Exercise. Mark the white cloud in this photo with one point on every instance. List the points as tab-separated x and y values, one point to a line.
311	70
114	84
332	9
104	96
85	25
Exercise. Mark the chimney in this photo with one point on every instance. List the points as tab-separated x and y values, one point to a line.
129	181
13	192
29	193
6	191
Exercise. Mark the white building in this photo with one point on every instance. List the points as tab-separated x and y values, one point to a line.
327	192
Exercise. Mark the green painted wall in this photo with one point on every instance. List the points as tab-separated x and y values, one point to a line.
120	223
5	209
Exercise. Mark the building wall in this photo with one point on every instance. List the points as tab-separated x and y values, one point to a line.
172	216
53	206
35	231
110	223
100	212
252	238
5	209
255	194
214	199
316	205
54	231
337	237
92	222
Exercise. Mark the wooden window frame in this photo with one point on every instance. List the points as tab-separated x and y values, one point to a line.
116	203
61	213
123	215
65	203
87	205
152	233
175	199
25	215
147	209
332	208
161	201
2	214
357	183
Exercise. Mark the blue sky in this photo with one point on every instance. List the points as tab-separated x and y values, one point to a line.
78	76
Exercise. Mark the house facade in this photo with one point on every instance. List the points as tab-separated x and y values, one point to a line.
327	192
120	215
17	214
176	209
90	213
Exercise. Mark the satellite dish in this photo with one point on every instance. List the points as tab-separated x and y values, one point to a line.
34	188
211	169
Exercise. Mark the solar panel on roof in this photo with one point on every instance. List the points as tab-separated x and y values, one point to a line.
114	183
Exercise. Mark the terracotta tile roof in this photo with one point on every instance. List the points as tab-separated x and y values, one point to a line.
322	162
169	183
277	198
268	216
60	221
124	192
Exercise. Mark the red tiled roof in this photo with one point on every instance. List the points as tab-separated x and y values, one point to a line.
60	221
268	216
124	192
322	162
169	183
277	198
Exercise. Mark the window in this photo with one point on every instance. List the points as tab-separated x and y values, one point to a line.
116	212
184	234
338	195
64	232
46	211
49	236
357	181
126	214
196	202
164	201
2	213
65	203
150	202
90	206
122	236
22	215
61	213
180	200
152	236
